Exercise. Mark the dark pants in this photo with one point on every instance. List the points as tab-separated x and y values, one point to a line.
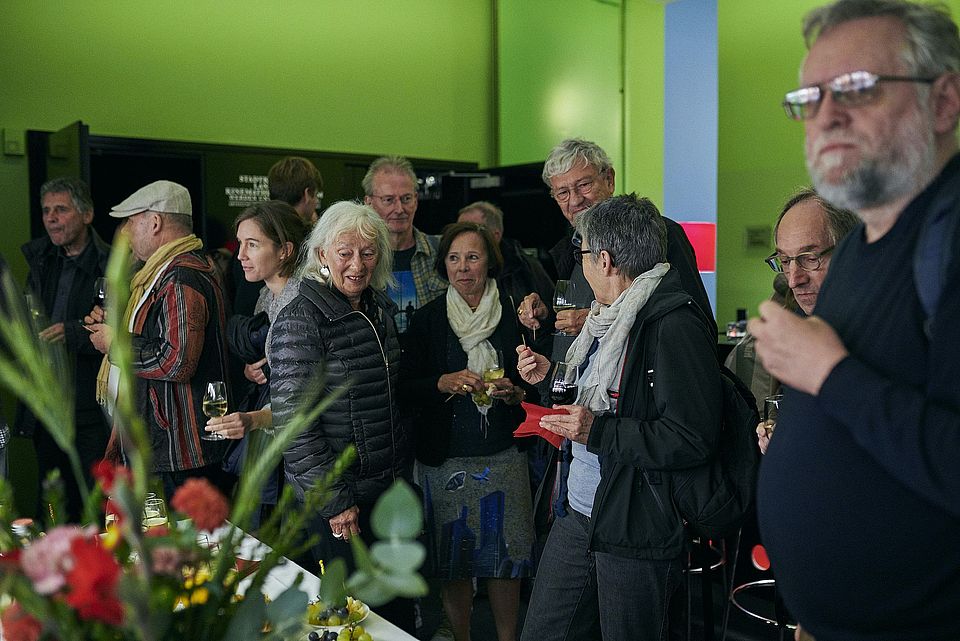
400	611
91	442
214	473
580	594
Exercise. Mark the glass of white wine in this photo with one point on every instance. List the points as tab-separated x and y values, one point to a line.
563	293
214	405
493	371
154	513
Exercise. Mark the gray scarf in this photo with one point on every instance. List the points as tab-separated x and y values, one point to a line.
612	324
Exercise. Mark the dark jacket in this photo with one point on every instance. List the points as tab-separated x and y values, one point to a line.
668	417
425	360
178	346
522	274
43	259
319	339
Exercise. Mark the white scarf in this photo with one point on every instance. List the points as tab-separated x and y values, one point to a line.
613	324
473	328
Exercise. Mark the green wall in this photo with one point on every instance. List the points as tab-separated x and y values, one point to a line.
760	150
405	76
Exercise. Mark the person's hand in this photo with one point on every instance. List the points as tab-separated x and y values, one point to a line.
53	334
506	391
764	433
101	335
531	366
802	635
463	382
574	425
233	426
253	372
345	524
799	352
95	316
532	311
570	321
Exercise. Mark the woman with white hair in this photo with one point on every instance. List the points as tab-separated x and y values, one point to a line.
339	332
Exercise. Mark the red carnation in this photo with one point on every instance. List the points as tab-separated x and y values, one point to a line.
93	583
199	500
19	625
108	474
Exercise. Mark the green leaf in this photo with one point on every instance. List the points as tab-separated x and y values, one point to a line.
400	556
398	513
247	620
408	584
361	555
286	612
333	593
373	592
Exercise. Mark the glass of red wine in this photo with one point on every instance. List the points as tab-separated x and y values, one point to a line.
563	383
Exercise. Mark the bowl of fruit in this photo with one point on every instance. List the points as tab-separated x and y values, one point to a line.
337	620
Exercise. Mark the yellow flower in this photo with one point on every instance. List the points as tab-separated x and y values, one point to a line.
111	536
199	596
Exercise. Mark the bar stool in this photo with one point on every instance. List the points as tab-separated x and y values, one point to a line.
704	557
774	611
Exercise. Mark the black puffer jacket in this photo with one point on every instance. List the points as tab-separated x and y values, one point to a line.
359	352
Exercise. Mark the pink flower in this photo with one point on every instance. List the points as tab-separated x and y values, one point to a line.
199	500
166	560
47	560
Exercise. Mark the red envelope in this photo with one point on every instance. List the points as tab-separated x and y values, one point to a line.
531	425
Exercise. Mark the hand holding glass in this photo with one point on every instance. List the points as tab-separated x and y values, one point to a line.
771	411
214	405
563	293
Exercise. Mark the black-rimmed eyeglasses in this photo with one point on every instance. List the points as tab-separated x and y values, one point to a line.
578	254
807	261
853	89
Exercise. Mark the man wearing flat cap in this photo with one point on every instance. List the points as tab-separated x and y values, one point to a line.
176	319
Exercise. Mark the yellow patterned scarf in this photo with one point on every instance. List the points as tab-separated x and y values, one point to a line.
138	287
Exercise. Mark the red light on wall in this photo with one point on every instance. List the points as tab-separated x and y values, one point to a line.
703	237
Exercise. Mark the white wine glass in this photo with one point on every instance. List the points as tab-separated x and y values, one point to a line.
100	292
154	514
214	405
563	294
771	412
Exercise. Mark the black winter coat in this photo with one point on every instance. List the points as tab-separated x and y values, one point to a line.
668	417
42	279
320	338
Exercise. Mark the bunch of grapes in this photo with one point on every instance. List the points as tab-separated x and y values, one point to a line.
349	633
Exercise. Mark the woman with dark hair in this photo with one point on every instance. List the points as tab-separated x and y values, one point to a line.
270	235
466	399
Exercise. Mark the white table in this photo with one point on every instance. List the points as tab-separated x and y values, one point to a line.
284	575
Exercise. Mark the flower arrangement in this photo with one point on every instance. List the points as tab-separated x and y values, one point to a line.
66	581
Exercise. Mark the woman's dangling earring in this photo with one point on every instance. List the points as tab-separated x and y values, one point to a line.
324	271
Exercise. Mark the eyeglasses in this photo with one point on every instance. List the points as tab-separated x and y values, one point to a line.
807	261
853	89
582	187
578	254
390	201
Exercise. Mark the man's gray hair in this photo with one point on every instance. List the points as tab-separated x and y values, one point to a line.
390	165
572	153
77	189
492	215
346	217
182	222
629	228
840	222
932	37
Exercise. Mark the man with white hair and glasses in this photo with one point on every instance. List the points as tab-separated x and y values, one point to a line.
859	497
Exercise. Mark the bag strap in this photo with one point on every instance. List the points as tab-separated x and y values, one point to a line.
932	257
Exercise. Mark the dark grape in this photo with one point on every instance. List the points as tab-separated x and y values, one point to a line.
313	636
332	635
343	613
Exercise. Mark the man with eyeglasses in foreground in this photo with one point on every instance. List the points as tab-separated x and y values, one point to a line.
859	497
390	185
580	175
